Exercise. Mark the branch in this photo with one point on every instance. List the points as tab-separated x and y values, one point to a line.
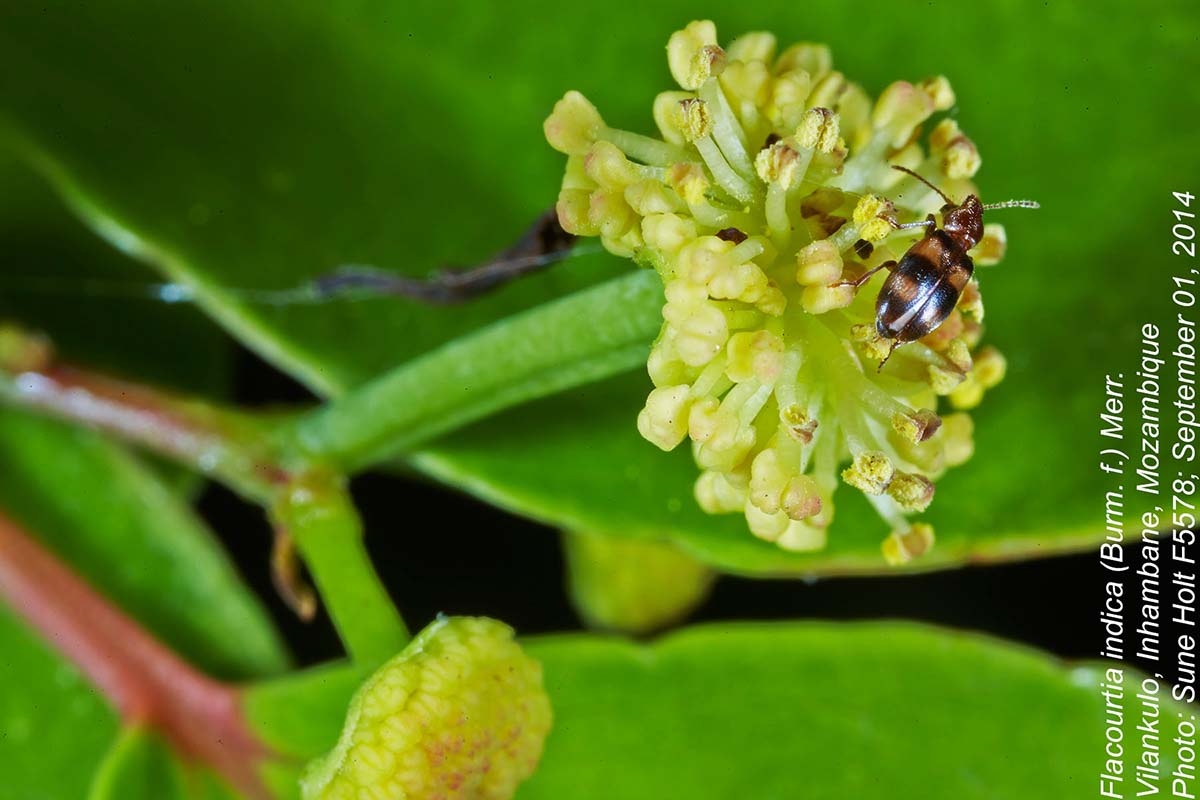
246	453
147	683
237	448
316	512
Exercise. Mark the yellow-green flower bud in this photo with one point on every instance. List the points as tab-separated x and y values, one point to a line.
632	585
789	92
828	90
573	125
754	355
990	367
802	498
649	196
815	59
940	92
717	494
900	109
664	420
667	233
903	546
607	166
822	299
818	264
689	182
957	442
682	50
990	249
461	713
754	46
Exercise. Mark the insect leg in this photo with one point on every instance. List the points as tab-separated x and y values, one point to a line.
895	343
904	226
866	276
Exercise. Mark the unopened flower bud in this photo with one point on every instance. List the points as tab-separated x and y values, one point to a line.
815	59
608	166
957	432
573	125
991	247
460	713
818	264
939	91
689	182
903	546
754	46
990	367
802	497
900	109
802	537
754	355
668	233
820	299
664	419
716	495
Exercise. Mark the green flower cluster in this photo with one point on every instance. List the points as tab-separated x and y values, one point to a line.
768	193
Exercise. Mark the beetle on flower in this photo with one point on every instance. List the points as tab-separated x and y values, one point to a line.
770	193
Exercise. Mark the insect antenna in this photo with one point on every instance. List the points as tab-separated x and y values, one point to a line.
1013	204
923	180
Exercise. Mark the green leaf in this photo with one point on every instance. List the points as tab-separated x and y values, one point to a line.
94	302
104	513
125	532
410	140
341	148
55	729
102	509
141	766
904	711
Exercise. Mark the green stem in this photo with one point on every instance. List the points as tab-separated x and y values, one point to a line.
245	453
578	339
236	448
317	512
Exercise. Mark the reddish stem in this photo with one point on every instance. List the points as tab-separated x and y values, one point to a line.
146	682
233	446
